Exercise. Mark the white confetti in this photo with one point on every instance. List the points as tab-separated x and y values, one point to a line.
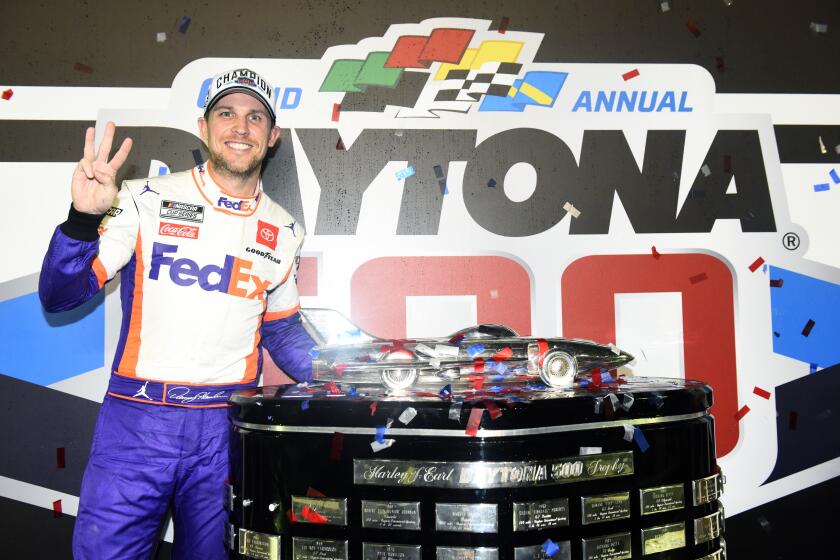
446	350
628	401
571	210
819	27
613	401
398	133
665	6
161	37
727	2
590	450
407	415
377	447
706	171
822	146
494	294
598	403
434	363
455	411
628	432
837	149
426	350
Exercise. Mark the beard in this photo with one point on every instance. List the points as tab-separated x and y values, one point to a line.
241	172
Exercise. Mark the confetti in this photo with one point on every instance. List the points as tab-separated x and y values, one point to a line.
314	353
756	264
503	25
720	64
727	2
184	24
478	383
503	354
336	446
59	457
478	367
664	6
742	412
312	516
196	154
439	172
628	432
761	393
474	422
813	368
822	145
446	392
83	68
777	283
7	94
834	176
654	252
455	411
808	326
373	406
792	418
550	548
698	278
340	144
491	183
598	402
404	173
313	493
776	334
398	133
304	405
475	349
765	525
407	415
443	190
336	111
819	27
446	350
641	441
423	349
378	446
494	294
57	508
627	402
695	30
161	37
571	210
590	450
821	187
837	149
631	74
492	409
706	171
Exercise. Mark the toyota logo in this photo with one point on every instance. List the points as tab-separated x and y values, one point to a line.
267	234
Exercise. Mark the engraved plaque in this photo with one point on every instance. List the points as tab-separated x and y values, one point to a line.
229	496
608	547
391	515
385	551
318	549
259	545
469	518
706	489
605	507
666	537
662	498
707	528
537	552
461	553
542	514
330	511
489	474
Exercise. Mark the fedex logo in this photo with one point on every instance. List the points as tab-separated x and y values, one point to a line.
241	205
232	277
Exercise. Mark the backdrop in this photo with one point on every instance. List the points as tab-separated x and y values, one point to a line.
662	175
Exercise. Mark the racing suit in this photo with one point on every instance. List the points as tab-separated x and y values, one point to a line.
207	280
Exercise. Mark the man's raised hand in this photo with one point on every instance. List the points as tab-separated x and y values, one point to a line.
94	183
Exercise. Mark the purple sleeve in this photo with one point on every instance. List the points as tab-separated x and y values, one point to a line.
289	345
67	277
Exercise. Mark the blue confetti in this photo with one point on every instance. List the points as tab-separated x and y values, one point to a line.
439	172
496	388
606	377
197	157
446	392
404	173
443	190
640	440
475	349
162	170
814	368
352	392
380	433
491	183
821	187
496	378
304	405
314	353
501	368
550	547
834	176
184	24
584	382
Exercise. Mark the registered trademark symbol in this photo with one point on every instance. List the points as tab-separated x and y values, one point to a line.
790	241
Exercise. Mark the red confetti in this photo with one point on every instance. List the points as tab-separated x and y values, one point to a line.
721	65
59	457
492	409
693	27
808	326
756	264
474	422
478	365
503	25
312	493
57	508
83	68
340	144
654	252
335	447
502	354
373	406
777	283
478	384
312	516
792	418
542	345
332	388
698	278
339	369
596	378
741	413
761	392
336	111
631	74
7	94
291	515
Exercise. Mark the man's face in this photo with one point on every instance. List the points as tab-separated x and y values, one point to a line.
238	132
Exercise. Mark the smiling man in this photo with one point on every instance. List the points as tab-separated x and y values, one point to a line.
207	263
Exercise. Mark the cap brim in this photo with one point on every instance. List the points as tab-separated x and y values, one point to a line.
237	89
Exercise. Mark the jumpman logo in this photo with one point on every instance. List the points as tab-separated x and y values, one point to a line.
142	392
291	226
147	188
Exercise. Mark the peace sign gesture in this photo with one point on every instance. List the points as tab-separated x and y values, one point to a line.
94	185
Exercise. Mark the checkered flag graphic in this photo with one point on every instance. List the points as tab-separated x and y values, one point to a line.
493	78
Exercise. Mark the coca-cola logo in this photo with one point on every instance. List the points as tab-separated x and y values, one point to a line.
178	230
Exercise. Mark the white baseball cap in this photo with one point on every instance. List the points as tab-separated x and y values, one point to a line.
241	80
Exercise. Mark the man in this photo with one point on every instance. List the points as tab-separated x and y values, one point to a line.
207	279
